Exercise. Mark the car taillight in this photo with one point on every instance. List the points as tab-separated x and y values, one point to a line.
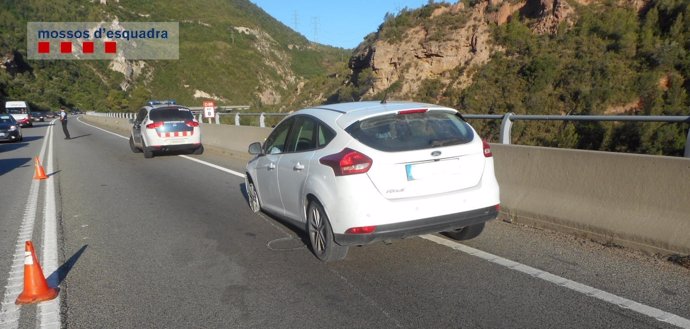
347	162
361	230
191	123
487	149
414	111
155	125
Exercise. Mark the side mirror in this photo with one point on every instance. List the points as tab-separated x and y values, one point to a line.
255	148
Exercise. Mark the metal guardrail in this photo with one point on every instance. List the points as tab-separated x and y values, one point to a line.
506	120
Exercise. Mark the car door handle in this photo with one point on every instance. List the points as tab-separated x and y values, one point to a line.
298	166
271	166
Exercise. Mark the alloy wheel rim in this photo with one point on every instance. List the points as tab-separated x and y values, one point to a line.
317	231
253	198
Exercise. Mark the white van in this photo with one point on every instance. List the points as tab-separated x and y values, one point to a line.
20	111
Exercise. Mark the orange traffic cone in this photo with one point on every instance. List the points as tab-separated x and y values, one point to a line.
39	173
35	286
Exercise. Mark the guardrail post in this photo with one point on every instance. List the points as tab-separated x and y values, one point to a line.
237	119
506	126
217	118
687	145
201	117
262	120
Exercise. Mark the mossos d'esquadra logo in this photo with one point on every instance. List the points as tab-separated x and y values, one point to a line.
103	40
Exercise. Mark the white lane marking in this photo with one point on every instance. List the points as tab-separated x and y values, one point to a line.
101	129
634	306
229	171
49	312
9	311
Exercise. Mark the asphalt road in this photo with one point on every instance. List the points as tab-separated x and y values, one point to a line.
171	243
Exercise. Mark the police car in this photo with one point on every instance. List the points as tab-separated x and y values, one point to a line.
163	126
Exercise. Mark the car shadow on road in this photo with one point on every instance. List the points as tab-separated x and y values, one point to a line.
27	139
6	146
61	273
7	165
289	225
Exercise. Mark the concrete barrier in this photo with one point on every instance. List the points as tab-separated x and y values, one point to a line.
637	201
233	140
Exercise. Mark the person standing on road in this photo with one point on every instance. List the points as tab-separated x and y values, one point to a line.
63	120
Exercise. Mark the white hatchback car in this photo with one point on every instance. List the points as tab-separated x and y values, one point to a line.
163	127
356	173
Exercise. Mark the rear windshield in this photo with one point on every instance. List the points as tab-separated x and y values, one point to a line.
171	114
416	131
6	119
16	111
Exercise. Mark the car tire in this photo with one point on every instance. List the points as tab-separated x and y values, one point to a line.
321	237
466	233
132	146
148	153
199	150
252	196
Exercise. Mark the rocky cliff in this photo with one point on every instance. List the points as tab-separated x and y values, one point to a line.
418	56
451	43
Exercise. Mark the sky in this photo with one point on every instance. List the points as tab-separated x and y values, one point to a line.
338	23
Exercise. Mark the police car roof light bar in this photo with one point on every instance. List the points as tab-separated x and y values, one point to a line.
165	102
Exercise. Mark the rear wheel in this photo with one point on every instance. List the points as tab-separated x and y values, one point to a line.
132	146
148	153
199	150
321	235
466	233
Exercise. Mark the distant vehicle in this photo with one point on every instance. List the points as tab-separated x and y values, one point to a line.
162	127
357	173
51	115
9	129
38	116
20	111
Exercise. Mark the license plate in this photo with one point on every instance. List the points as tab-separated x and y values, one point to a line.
432	169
